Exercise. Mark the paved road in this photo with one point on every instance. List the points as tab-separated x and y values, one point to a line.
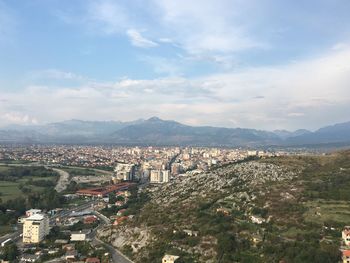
14	236
117	256
106	220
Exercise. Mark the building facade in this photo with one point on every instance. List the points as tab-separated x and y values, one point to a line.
124	171
159	176
35	228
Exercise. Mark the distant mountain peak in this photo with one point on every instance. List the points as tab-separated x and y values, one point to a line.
155	131
154	118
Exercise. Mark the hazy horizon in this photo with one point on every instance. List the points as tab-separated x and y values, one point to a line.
150	117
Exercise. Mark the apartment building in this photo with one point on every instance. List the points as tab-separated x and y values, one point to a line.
35	228
159	176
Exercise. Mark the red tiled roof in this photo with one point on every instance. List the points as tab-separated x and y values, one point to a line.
102	191
92	260
90	219
120	220
346	253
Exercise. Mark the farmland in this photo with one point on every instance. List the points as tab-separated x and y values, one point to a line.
16	181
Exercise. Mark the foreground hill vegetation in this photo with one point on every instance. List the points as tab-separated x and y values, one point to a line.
283	208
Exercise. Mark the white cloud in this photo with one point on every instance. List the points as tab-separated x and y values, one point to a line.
205	25
138	40
197	26
160	65
296	114
304	94
111	15
55	74
18	118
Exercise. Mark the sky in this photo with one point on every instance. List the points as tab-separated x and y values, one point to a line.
264	64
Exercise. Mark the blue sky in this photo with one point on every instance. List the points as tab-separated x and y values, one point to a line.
263	64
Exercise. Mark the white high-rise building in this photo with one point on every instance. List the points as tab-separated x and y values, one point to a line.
35	228
160	176
166	176
125	171
156	176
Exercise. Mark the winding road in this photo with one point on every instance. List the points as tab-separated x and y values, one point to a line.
63	181
117	256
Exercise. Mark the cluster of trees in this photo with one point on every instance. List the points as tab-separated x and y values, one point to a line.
46	200
84	248
41	182
80	171
302	251
134	204
330	187
12	174
80	226
9	252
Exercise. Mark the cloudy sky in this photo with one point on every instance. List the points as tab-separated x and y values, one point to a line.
266	64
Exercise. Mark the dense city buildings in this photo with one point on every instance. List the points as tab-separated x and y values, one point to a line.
155	164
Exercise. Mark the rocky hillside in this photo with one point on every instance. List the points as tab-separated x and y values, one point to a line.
284	208
217	206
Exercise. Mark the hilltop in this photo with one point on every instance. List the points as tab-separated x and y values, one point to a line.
282	208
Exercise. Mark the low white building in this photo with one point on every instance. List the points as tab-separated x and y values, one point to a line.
169	258
345	234
191	233
81	235
257	220
29	258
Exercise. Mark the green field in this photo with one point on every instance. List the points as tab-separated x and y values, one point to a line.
11	189
323	211
82	171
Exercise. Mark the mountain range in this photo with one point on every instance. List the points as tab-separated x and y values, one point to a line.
155	131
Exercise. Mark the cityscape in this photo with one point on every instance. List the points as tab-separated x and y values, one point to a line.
160	131
100	193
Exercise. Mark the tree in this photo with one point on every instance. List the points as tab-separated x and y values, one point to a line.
83	248
112	198
226	244
120	198
10	252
